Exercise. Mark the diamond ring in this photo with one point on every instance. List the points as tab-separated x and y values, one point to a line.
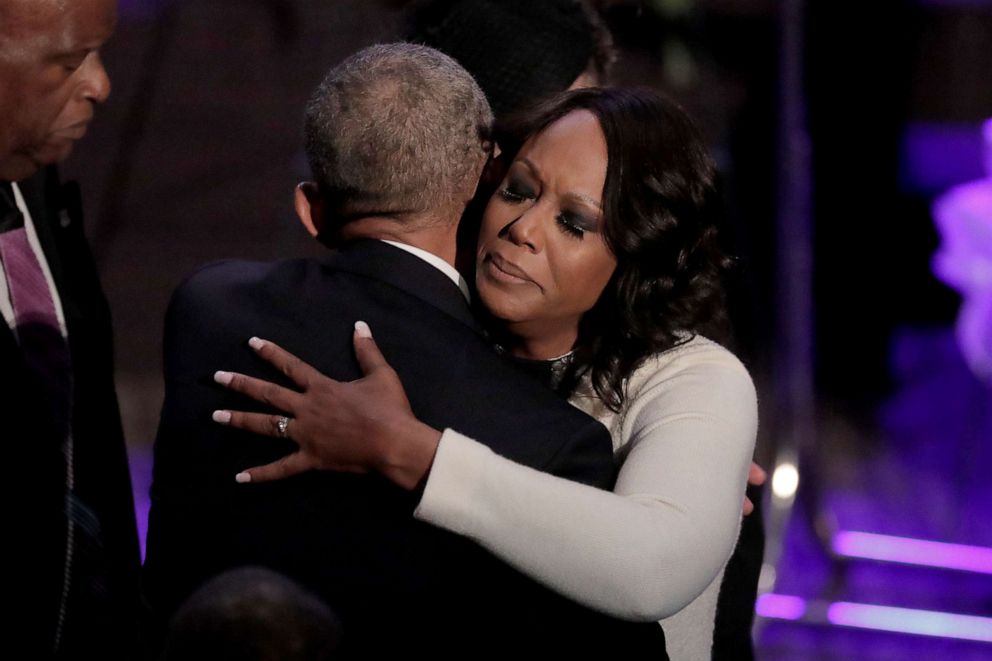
282	425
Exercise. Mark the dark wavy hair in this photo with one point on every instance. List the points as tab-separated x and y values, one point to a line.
660	209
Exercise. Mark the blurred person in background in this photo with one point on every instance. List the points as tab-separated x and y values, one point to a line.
252	614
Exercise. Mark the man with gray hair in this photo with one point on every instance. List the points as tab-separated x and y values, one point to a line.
397	136
370	154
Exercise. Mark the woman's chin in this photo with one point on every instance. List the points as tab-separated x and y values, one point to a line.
505	306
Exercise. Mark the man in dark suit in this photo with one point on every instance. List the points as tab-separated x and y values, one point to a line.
397	137
70	516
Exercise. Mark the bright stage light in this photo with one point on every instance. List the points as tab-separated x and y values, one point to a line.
888	548
785	480
879	618
780	606
909	620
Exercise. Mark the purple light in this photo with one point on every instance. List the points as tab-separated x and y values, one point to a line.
780	606
963	216
142	9
879	618
908	620
913	551
936	156
987	138
955	3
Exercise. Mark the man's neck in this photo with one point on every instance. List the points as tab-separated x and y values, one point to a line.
437	238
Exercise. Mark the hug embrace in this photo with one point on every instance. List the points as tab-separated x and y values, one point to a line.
532	440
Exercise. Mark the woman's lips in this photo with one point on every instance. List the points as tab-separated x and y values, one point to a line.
503	270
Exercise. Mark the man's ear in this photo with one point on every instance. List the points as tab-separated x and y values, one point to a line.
309	204
494	171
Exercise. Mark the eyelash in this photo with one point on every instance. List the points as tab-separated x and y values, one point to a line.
513	196
567	226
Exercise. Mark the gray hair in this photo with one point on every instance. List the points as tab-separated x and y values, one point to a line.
397	128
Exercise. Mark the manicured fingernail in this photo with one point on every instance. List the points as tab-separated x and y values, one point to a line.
223	378
242	478
362	330
256	343
223	417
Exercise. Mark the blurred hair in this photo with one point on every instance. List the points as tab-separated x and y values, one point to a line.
520	51
397	128
252	614
660	209
604	52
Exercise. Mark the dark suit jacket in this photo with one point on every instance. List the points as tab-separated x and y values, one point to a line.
397	584
101	608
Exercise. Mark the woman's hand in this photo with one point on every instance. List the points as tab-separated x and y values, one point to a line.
356	427
756	476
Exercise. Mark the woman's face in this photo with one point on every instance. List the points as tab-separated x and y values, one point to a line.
542	261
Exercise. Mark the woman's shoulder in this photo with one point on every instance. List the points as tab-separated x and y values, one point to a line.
698	374
697	377
698	380
697	354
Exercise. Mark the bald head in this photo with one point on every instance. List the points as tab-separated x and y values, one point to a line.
51	77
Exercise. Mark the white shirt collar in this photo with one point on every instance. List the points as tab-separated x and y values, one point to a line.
438	263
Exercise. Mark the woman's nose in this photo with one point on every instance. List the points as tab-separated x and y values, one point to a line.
526	230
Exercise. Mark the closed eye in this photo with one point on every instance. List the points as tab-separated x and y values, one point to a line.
72	61
514	195
570	226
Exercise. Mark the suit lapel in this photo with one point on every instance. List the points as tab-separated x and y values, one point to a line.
400	269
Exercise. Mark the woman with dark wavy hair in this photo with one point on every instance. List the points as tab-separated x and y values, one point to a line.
657	209
599	269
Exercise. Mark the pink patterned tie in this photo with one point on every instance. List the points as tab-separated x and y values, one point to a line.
36	322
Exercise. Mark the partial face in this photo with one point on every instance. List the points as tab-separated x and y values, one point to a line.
542	261
51	77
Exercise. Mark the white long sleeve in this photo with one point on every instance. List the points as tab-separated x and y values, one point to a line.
685	438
